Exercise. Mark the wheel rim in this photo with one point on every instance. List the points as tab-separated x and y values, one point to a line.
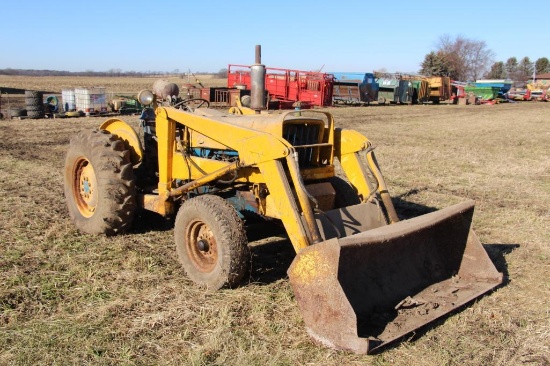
201	246
85	187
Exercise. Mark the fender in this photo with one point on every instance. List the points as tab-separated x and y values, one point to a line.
128	135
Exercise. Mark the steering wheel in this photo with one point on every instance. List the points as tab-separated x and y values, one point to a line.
186	101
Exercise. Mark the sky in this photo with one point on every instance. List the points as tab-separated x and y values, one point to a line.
206	36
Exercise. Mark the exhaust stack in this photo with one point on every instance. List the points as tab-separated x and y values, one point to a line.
257	87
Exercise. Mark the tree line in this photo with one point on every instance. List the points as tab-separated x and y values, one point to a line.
465	59
108	73
459	58
521	71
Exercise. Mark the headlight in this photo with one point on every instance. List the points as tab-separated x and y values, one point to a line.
145	97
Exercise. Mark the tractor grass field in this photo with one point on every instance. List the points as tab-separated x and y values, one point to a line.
69	298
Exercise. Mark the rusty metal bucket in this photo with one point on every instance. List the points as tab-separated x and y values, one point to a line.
362	291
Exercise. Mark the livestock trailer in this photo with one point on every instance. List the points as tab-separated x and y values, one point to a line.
309	87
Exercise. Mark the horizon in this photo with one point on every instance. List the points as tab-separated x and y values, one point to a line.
355	37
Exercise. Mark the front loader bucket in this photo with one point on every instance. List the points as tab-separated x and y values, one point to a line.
365	290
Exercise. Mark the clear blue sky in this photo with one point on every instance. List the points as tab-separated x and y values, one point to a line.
352	36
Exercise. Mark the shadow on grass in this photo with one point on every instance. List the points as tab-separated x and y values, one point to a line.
270	250
406	209
146	221
496	253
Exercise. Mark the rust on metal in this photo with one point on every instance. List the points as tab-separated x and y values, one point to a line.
365	290
257	88
229	168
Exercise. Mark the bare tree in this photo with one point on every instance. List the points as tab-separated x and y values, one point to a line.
222	73
114	72
478	59
469	59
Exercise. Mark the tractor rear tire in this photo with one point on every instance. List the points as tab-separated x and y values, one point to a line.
211	242
99	183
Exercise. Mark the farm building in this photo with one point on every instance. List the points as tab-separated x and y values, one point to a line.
541	77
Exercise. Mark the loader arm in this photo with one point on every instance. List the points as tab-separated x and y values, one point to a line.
348	147
255	148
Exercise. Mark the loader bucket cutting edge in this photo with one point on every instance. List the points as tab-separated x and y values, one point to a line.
365	290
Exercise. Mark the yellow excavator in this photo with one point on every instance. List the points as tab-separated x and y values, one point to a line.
361	277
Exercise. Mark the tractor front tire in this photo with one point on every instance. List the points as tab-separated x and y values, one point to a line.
211	242
99	183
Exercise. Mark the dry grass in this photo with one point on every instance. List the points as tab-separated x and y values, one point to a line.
69	298
55	84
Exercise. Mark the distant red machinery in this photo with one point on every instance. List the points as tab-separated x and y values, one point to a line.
309	88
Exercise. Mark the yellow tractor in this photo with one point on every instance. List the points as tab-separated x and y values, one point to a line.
361	277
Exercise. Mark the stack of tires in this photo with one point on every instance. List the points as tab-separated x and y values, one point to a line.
18	112
34	104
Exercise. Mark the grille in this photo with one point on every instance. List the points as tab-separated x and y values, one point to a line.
300	135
